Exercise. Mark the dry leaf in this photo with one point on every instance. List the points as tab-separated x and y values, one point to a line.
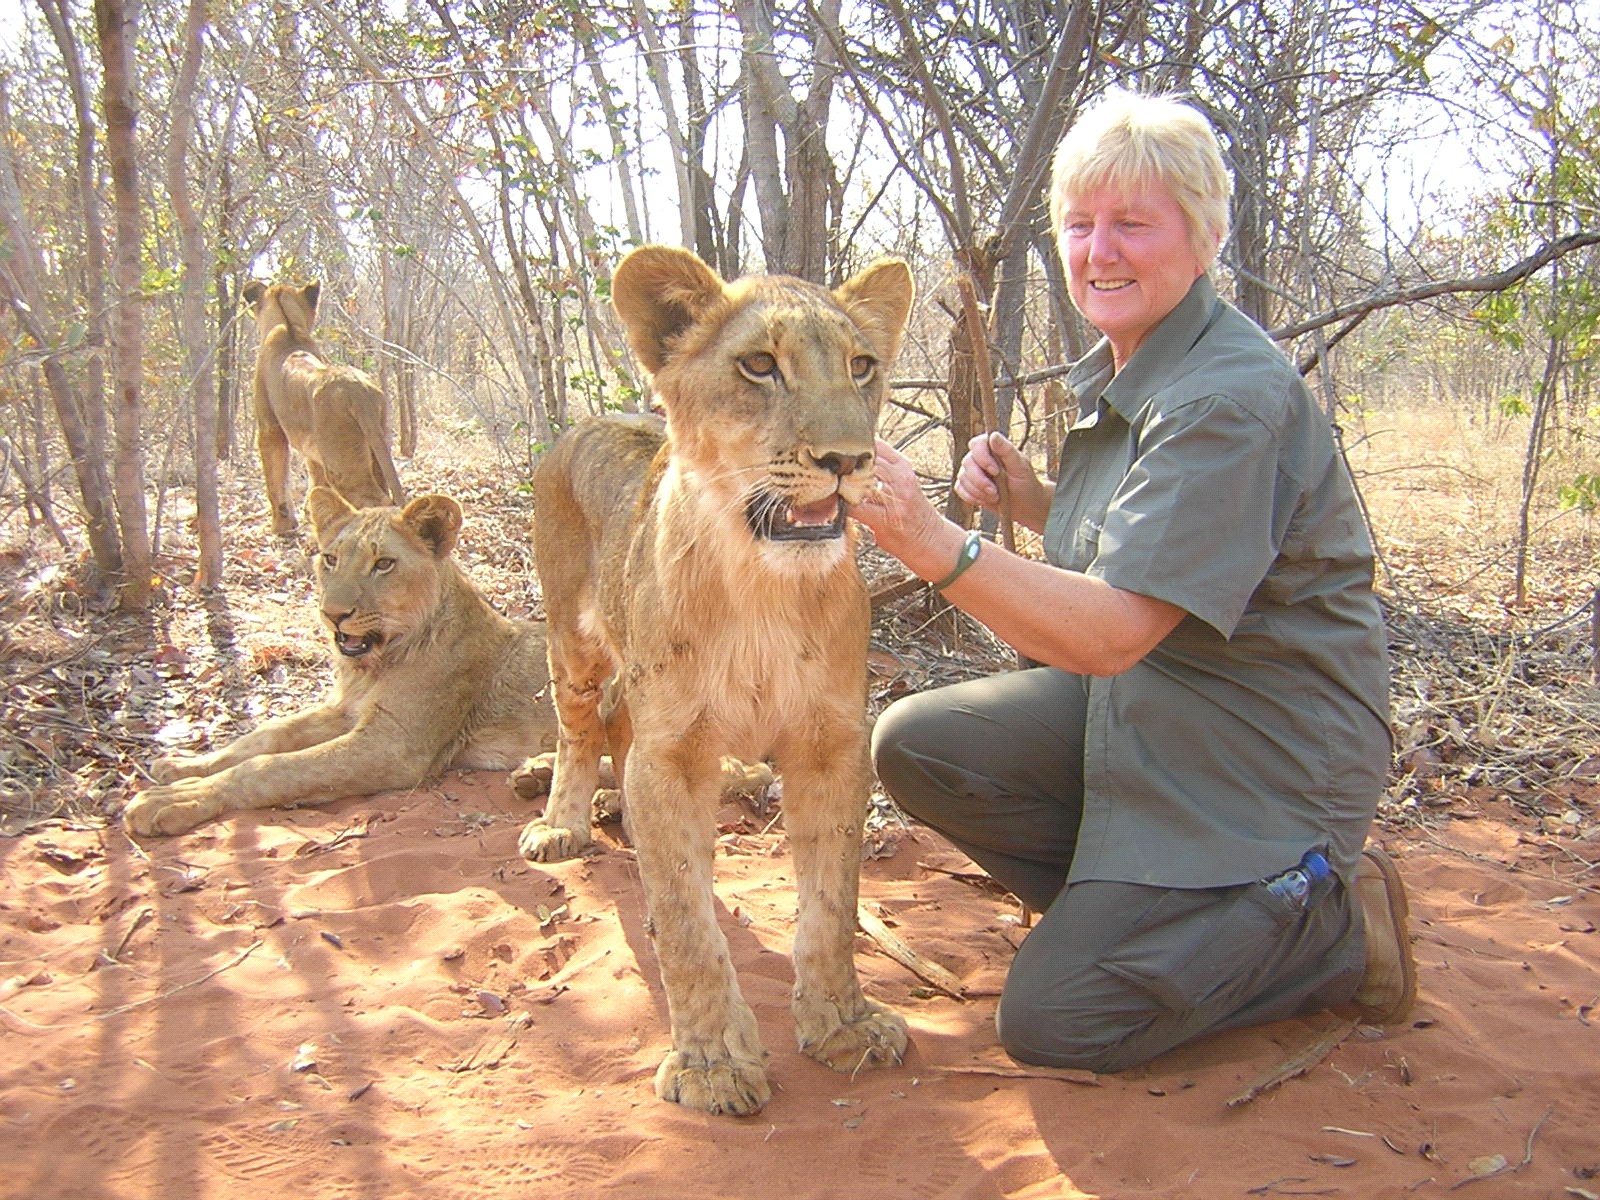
1488	1164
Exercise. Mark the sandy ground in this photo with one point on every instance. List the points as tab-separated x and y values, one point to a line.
379	999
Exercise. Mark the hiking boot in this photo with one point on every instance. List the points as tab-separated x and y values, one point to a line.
1389	985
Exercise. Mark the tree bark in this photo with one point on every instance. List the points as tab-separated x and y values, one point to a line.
199	360
83	416
797	188
116	23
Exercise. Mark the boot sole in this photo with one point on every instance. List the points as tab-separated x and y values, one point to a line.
1399	916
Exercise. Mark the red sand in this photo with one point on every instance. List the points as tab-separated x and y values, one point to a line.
266	1008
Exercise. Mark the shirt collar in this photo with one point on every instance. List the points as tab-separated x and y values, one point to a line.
1153	364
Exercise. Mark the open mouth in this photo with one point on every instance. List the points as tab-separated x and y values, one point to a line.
354	647
773	517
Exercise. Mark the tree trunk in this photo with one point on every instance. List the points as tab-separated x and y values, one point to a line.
86	413
227	309
797	188
198	359
115	23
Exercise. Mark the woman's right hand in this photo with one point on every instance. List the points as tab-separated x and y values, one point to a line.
989	457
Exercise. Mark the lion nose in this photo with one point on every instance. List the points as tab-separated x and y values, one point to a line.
843	464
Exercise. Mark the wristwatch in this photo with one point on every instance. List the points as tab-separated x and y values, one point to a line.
968	556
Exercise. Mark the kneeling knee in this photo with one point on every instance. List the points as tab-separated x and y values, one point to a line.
1051	1034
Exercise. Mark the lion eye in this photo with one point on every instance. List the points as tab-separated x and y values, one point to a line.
862	367
759	367
383	566
330	559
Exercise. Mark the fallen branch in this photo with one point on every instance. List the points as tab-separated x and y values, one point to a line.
1298	1065
888	593
896	948
1062	1074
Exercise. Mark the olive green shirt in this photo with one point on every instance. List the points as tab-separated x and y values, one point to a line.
1203	474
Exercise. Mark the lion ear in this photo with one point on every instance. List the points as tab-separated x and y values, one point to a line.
312	292
328	511
879	302
254	293
660	291
436	520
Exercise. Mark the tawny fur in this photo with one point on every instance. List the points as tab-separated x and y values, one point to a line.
334	415
681	632
449	682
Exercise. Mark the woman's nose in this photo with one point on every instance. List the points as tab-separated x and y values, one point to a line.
1102	245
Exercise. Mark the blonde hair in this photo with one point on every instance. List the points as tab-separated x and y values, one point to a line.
1128	141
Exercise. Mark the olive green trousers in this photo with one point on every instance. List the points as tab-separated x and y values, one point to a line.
1112	974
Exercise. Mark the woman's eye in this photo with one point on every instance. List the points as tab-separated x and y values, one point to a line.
862	367
759	366
383	566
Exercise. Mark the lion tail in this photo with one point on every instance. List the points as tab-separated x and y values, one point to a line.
374	421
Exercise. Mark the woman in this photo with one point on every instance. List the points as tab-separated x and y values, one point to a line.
1213	712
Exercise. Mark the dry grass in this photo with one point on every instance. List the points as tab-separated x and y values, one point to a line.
1492	696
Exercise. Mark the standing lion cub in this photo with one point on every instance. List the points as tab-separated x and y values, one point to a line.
702	575
333	414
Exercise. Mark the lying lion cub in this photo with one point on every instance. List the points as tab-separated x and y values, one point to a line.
708	567
427	676
333	414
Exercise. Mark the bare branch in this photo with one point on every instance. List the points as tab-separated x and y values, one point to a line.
1356	312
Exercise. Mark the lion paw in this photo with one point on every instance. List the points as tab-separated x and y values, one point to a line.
171	767
731	1086
876	1038
551	843
174	808
532	779
607	805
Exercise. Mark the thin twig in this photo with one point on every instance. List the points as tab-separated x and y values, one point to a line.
1508	1168
229	965
978	337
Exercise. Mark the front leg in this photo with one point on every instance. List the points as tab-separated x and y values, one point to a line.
717	1060
273	445
356	764
578	669
294	732
826	782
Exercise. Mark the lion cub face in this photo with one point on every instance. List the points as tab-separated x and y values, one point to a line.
771	387
378	569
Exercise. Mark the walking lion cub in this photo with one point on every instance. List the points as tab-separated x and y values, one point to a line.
334	415
700	576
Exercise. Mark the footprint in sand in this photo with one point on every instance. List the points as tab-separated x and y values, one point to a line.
246	1153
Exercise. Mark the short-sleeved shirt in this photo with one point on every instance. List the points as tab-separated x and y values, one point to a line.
1204	474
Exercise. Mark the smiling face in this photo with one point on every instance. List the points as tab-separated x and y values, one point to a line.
1130	259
